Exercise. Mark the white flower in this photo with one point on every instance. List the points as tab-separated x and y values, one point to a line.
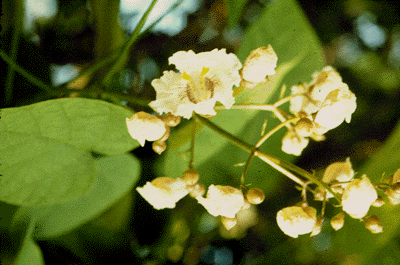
293	144
328	97
358	197
222	200
163	192
339	171
338	106
203	79
260	63
296	220
143	126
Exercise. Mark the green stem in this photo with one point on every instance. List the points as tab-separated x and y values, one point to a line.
259	143
25	73
271	160
192	144
19	15
125	50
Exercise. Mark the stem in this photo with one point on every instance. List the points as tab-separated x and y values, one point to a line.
125	50
25	73
19	10
259	143
192	145
275	162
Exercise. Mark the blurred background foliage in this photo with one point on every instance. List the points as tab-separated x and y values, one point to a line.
55	41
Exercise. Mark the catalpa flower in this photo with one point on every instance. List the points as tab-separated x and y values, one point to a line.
327	97
143	126
222	200
203	79
163	192
296	220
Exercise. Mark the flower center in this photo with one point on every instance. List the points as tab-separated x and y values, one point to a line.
199	89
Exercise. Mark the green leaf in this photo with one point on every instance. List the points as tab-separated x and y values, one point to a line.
354	238
299	55
45	148
235	9
117	176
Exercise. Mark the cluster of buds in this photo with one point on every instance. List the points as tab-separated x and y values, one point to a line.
357	196
143	126
224	201
260	64
321	105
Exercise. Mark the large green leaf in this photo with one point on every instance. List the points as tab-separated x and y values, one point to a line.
45	148
299	55
354	238
116	176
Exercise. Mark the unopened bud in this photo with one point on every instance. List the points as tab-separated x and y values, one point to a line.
378	202
304	127
159	147
319	194
191	176
393	196
337	189
255	196
228	223
337	221
197	189
396	187
317	227
373	224
171	120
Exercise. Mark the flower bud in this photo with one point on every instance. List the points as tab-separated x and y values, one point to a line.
159	147
393	196
191	176
228	223
171	120
197	190
373	224
337	221
319	194
260	63
378	202
293	144
255	196
296	220
317	227
304	127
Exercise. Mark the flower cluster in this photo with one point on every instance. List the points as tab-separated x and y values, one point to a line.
357	196
224	201
321	105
